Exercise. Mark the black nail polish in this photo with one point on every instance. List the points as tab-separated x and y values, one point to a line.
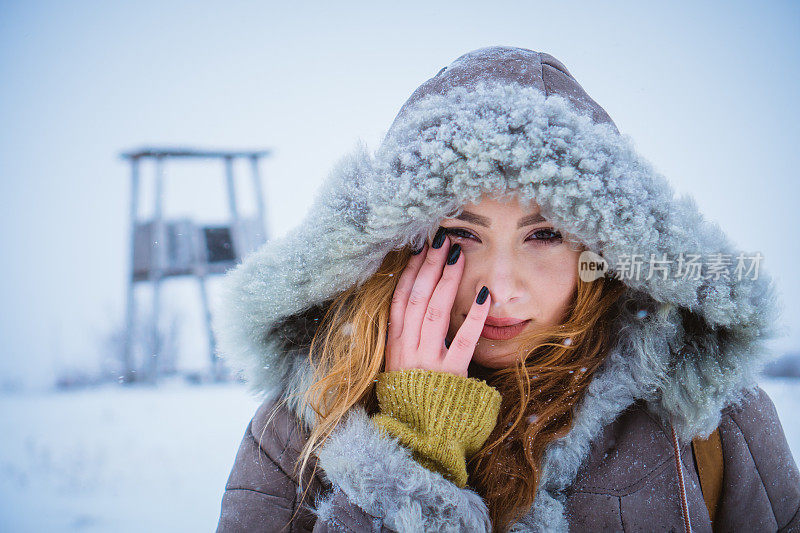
482	294
417	252
453	254
438	239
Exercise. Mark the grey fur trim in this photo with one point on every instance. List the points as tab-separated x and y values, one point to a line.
324	507
334	510
380	476
546	516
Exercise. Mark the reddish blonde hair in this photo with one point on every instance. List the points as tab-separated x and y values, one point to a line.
539	393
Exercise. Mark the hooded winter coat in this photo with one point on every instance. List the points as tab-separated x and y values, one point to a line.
504	119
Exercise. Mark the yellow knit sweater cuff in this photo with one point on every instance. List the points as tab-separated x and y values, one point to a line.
443	418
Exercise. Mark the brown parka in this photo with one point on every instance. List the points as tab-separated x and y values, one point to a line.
686	356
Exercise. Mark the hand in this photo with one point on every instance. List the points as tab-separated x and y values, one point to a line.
419	316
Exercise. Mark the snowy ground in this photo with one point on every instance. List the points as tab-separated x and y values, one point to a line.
142	459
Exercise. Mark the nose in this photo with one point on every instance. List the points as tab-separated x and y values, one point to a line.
502	276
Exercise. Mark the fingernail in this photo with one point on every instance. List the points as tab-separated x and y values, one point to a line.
484	292
417	252
438	239
452	256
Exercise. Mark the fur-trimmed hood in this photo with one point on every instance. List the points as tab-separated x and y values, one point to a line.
500	120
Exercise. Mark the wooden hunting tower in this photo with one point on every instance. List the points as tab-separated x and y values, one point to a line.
161	249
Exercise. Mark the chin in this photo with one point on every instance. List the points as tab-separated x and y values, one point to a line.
493	360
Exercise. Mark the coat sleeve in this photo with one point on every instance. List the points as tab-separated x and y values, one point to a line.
262	493
376	479
258	495
761	482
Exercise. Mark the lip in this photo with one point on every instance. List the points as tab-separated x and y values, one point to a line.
502	321
500	333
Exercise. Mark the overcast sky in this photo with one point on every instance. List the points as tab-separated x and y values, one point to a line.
707	90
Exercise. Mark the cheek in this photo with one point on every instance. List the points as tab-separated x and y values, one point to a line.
552	285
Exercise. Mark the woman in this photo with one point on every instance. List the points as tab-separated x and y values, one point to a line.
524	370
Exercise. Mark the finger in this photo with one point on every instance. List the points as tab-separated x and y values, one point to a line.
405	282
437	316
427	278
463	346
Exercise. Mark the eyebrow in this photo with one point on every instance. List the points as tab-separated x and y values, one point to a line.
485	222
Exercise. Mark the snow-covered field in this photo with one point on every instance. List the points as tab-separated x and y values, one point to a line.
149	459
119	459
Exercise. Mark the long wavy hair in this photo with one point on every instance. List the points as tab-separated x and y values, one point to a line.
553	370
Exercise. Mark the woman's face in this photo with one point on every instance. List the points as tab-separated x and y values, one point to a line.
530	273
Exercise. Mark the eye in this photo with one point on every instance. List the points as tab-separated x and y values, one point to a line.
542	236
460	233
546	236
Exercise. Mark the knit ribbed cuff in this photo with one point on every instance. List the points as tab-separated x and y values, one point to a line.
443	418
